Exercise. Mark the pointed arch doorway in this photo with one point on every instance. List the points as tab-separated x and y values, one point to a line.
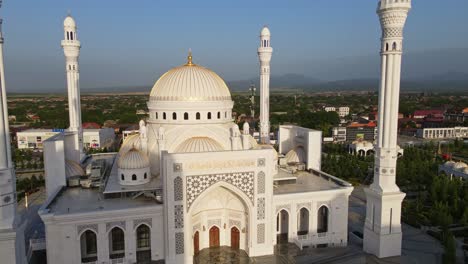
235	238
214	237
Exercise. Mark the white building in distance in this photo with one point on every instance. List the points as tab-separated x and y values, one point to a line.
442	133
92	138
342	110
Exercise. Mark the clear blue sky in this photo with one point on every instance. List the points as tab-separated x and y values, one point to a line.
127	43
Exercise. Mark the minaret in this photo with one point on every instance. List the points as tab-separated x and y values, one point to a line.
382	230
264	54
71	48
10	235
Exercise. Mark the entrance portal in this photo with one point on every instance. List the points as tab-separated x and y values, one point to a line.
196	243
235	236
214	237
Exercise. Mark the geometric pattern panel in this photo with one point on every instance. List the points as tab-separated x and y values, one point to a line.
260	233
146	221
110	225
234	223
261	162
179	243
261	182
212	222
305	205
260	208
93	227
179	216
280	207
178	189
244	181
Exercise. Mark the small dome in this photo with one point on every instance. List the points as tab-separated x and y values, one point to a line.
460	166
252	141
132	141
133	159
265	32
199	144
296	155
368	144
190	82
69	22
72	168
359	145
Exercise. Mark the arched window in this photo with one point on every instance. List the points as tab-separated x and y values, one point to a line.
386	47
88	244
122	177
225	114
71	35
322	219
69	67
208	115
143	244
164	115
68	35
116	243
303	222
134	177
219	115
73	67
145	176
174	116
197	116
185	116
156	115
394	46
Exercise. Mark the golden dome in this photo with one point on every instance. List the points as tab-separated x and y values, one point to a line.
190	82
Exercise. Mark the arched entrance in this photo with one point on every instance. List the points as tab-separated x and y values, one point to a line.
196	243
282	226
214	237
235	238
222	212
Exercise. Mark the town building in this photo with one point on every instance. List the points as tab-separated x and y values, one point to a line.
342	110
454	169
92	138
443	133
361	131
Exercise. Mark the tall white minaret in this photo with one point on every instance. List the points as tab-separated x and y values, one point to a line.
11	250
382	229
264	54
71	48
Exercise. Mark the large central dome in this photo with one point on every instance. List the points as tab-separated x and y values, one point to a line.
190	82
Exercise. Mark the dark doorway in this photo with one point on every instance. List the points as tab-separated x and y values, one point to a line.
214	237
235	237
196	243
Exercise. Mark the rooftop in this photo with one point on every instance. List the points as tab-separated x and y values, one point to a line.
307	182
80	200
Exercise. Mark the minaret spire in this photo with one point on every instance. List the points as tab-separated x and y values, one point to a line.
264	54
382	230
71	48
11	237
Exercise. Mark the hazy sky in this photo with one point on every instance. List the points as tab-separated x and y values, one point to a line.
131	43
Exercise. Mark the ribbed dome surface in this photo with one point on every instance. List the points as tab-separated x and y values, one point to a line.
73	169
295	155
132	141
199	144
190	83
134	159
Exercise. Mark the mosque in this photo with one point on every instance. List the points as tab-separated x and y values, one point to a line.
191	179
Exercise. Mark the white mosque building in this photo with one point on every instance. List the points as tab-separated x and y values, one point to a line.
191	179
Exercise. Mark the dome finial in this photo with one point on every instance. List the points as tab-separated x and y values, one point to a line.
189	58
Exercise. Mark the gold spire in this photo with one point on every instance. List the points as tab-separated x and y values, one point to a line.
189	58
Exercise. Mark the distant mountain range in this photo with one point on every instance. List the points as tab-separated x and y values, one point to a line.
431	70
